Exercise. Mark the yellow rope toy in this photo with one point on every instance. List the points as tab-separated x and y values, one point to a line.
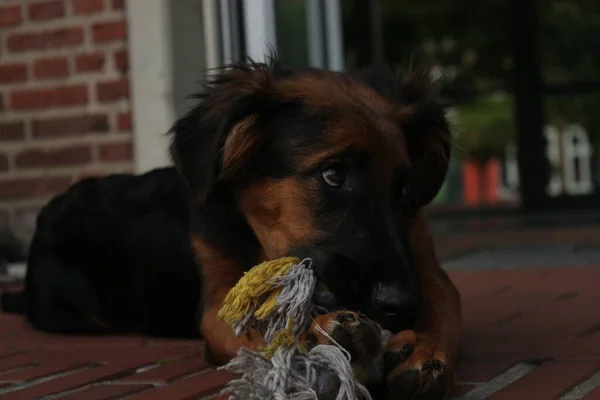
256	290
275	298
256	295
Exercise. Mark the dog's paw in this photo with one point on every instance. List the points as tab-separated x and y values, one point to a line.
361	337
418	368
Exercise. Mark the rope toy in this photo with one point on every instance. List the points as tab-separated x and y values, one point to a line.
275	298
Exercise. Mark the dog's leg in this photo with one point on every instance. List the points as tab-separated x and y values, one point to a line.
219	275
222	344
421	361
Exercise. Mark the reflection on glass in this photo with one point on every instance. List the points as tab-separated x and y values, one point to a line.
572	130
569	39
470	54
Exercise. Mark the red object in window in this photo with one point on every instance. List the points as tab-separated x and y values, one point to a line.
480	183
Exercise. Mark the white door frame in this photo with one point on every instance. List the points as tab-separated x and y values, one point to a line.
151	84
333	29
260	32
152	54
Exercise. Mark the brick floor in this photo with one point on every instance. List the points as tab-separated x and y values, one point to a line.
528	333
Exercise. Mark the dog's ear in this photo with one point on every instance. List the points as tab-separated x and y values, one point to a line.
214	139
428	138
422	119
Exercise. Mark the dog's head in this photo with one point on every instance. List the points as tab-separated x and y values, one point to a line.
324	165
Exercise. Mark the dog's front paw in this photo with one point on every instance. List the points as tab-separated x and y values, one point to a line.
418	368
359	336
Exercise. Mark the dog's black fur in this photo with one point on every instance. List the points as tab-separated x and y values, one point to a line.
112	255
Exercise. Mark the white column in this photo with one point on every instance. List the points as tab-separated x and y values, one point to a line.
314	30
335	43
555	183
226	31
210	20
151	85
259	22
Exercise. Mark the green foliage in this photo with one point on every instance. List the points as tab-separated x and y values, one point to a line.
569	39
481	46
292	42
580	109
484	127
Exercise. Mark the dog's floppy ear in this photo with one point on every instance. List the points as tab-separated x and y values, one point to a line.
427	133
212	141
423	122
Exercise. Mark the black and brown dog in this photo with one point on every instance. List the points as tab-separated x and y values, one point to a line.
271	162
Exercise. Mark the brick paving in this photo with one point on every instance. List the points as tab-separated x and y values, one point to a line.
528	333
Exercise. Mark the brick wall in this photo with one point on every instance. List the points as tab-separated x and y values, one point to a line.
64	100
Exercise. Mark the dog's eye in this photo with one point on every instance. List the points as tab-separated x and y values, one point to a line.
334	175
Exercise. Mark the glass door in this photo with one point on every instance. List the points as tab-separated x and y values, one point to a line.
309	33
569	38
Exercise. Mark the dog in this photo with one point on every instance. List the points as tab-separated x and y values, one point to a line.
271	162
109	256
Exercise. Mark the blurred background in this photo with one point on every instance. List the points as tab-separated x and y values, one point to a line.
89	87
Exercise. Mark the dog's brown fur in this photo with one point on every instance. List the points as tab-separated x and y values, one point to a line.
401	138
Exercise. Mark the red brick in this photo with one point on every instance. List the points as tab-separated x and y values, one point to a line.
109	31
3	162
112	91
9	352
106	392
89	62
118	4
593	395
10	15
34	158
51	67
124	122
16	72
22	188
46	10
113	152
1	102
190	388
49	39
119	361
76	380
169	372
43	370
69	126
19	361
122	60
61	96
12	131
87	6
482	370
462	389
549	381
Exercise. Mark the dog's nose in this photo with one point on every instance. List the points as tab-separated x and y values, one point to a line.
388	297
